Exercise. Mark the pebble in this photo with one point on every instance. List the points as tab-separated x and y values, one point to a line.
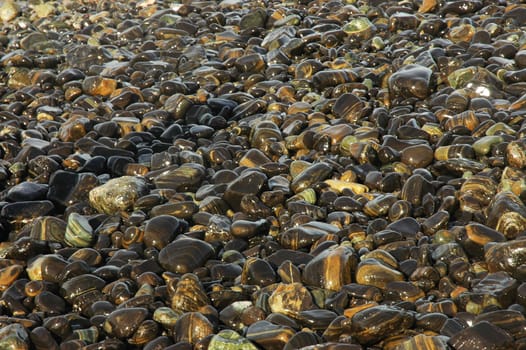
373	324
229	339
374	273
277	175
185	255
483	335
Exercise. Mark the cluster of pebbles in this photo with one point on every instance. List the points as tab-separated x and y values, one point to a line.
237	174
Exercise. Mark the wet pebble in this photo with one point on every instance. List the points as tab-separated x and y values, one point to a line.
379	322
185	255
122	323
413	81
315	175
481	335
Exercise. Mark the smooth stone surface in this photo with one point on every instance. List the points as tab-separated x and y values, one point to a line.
192	327
27	191
79	232
187	177
411	81
482	335
160	231
122	323
506	256
497	289
418	156
185	255
373	324
309	176
331	269
507	214
67	188
248	183
374	273
268	335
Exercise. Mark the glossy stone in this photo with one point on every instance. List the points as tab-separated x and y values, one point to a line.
411	81
184	178
507	214
228	339
79	232
192	327
122	323
376	323
331	269
481	335
307	174
373	272
185	255
268	335
506	256
160	231
250	182
418	156
189	294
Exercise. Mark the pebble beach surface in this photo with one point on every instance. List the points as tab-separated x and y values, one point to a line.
244	175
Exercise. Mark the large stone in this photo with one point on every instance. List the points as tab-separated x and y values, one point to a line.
118	194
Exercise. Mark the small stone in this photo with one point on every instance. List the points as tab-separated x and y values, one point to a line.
424	342
67	188
376	323
187	177
192	327
373	273
410	82
331	269
230	340
507	214
74	128
122	323
85	56
250	182
418	156
79	232
268	335
507	256
27	191
99	86
498	289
